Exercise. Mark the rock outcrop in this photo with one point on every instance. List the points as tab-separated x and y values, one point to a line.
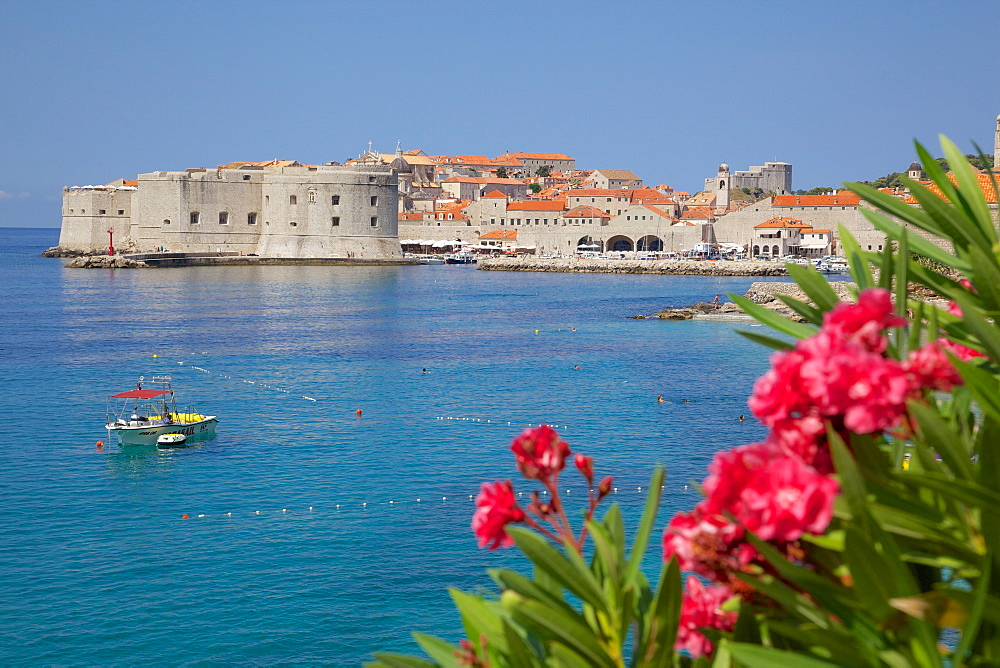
106	262
763	293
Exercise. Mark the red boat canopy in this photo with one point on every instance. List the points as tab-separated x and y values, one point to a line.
140	394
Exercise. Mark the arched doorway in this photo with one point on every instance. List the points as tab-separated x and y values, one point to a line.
620	244
650	242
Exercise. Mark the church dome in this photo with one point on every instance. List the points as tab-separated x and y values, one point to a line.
915	167
401	166
723	167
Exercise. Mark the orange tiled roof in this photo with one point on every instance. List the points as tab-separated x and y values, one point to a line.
538	156
407	215
845	198
656	210
699	213
494	194
586	212
815	231
500	234
780	222
985	184
484	180
129	183
599	192
538	205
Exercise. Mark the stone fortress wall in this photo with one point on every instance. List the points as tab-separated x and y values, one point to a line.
292	211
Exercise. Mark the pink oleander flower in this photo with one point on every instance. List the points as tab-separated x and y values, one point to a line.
804	437
710	546
865	321
540	452
775	495
585	465
929	367
963	353
495	509
701	608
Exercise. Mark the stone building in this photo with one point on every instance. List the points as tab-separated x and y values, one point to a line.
613	179
273	209
771	177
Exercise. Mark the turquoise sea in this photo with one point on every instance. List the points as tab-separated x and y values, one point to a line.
317	536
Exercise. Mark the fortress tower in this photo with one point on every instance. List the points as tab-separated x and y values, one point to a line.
996	146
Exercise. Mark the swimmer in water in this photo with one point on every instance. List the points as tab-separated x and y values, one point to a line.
423	371
659	398
742	418
686	401
576	366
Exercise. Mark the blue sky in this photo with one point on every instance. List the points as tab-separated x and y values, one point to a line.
90	92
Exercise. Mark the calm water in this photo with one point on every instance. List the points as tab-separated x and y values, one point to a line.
96	565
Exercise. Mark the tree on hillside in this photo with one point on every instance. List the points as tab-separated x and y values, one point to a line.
821	190
501	172
535	188
544	170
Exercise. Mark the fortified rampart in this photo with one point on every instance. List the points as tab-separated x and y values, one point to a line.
291	211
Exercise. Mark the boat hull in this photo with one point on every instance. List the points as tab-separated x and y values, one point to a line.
147	434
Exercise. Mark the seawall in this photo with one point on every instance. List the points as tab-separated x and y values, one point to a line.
691	267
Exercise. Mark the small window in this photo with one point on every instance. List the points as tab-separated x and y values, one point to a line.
371	179
71	210
292	199
374	221
103	211
293	224
166	221
121	212
335	221
335	200
83	211
312	196
223	218
374	200
493	221
267	199
252	218
194	217
246	177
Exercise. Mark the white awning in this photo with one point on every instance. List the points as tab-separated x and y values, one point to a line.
815	246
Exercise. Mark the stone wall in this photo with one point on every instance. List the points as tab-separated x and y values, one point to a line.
689	267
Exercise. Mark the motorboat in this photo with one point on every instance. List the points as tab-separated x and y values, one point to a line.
429	259
461	257
141	416
170	440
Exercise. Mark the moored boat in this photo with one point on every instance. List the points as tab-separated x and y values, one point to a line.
142	415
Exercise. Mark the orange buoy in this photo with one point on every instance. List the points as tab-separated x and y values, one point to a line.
185	517
100	444
358	412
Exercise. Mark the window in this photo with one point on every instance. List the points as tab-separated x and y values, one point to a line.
292	199
166	221
103	211
335	200
71	210
493	221
194	217
267	199
375	221
223	218
246	177
609	199
335	221
628	217
293	224
121	212
252	218
374	200
312	196
371	179
85	211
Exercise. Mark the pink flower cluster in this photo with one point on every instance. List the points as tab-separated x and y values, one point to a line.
702	607
781	489
540	455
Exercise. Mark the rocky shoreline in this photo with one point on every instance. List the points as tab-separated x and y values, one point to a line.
761	292
677	267
105	262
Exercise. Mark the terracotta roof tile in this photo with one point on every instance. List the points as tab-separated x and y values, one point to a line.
538	156
586	212
985	184
494	194
845	198
500	234
538	205
783	223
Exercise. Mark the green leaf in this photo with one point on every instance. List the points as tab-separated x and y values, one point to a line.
756	656
571	574
519	652
917	244
872	580
437	649
642	534
773	320
966	493
969	193
479	617
766	341
389	660
656	644
860	271
527	588
815	285
807	311
935	433
556	627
